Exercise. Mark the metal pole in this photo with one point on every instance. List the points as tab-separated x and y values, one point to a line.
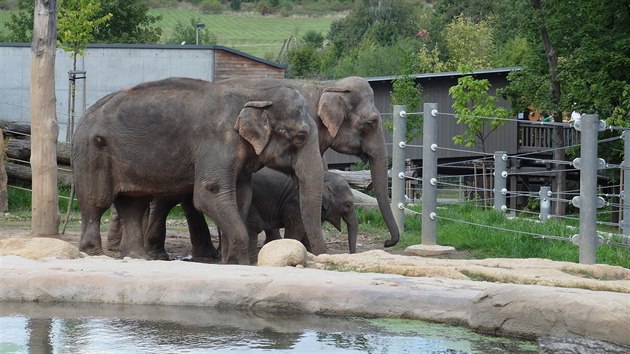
545	203
398	166
500	181
429	174
589	127
625	165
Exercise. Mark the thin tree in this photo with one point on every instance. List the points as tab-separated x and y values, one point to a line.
559	154
44	130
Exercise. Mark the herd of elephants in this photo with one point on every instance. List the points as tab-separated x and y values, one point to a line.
247	152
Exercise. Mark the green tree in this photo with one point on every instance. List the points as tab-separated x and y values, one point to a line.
76	25
381	22
477	109
187	34
130	22
406	91
469	44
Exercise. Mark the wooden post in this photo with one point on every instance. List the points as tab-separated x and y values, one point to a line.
4	196
45	207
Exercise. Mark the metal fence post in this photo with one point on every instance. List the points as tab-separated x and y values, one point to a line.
545	203
587	202
500	180
398	165
429	174
625	193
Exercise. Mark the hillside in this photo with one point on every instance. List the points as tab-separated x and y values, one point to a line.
249	32
262	36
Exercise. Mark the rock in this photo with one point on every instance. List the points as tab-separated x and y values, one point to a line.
557	345
38	247
282	253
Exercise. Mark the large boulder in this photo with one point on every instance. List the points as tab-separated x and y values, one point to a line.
282	253
38	247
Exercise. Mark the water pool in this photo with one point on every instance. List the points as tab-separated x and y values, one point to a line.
98	328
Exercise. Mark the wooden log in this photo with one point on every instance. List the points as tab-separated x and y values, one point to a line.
24	173
357	179
20	149
16	129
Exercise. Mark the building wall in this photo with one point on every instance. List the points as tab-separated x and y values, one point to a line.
109	68
229	65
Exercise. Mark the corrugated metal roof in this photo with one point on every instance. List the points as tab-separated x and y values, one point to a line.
446	74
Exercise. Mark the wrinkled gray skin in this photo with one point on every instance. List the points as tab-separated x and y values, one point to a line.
276	204
178	137
347	122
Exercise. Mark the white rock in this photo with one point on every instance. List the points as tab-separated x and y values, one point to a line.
282	253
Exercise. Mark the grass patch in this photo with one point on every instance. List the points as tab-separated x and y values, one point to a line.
261	36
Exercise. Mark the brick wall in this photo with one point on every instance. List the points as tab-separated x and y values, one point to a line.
228	65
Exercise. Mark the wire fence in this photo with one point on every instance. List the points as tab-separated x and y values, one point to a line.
479	187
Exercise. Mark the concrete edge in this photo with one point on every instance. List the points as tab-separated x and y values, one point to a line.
500	309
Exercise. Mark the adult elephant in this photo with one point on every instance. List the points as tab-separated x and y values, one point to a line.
347	122
182	136
276	204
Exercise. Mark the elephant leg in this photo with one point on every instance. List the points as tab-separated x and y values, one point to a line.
131	211
219	203
114	234
272	235
203	249
155	232
90	242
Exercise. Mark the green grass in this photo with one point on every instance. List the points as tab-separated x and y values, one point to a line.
261	36
251	33
479	241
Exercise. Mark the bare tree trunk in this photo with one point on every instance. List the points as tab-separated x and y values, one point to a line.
45	208
560	182
4	197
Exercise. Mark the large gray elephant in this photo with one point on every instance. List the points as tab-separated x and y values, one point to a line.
347	121
183	136
276	204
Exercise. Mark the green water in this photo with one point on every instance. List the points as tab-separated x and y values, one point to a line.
96	328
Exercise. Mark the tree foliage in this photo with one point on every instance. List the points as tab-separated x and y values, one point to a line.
130	22
187	34
477	109
76	25
469	43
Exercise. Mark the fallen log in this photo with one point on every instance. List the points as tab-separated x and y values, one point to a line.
20	149
24	173
15	128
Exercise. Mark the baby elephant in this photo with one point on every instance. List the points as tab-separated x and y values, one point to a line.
275	205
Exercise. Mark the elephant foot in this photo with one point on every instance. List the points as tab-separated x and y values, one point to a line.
92	251
136	254
212	254
198	259
159	256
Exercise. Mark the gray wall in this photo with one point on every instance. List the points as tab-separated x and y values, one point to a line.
109	68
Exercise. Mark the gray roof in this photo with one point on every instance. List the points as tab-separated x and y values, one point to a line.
445	74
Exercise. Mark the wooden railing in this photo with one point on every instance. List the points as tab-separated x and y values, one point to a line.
536	136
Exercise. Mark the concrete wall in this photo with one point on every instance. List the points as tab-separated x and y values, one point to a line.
109	68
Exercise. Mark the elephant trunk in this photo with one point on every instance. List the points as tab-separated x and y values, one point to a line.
310	174
352	222
378	169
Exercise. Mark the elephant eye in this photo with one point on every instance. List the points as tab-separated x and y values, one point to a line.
299	139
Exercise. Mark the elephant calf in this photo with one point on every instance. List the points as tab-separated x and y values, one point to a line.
275	204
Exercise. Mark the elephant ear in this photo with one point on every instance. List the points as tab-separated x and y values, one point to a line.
332	109
253	124
327	195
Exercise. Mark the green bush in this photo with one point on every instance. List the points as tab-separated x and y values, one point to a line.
211	7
